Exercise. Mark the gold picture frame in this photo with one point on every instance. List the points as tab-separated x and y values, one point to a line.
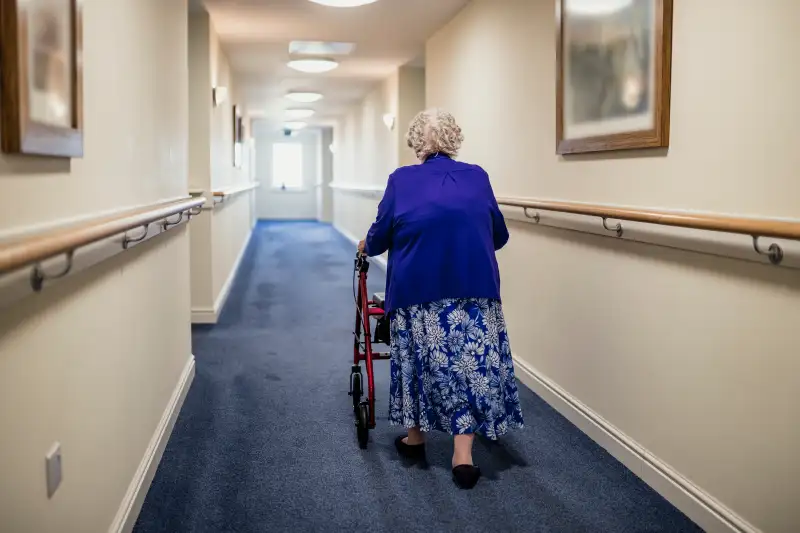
41	71
613	75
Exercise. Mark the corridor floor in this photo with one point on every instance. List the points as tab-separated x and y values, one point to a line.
266	443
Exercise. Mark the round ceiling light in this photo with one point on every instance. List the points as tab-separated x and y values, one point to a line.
295	125
344	3
596	7
304	97
299	113
313	65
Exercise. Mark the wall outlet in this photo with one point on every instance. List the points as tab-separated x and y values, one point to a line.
53	469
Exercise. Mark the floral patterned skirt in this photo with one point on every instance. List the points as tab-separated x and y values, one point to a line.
451	369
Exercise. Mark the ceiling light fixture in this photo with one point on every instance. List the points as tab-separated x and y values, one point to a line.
313	65
295	125
596	7
344	3
299	113
304	97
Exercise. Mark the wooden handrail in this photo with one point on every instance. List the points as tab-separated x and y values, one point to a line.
24	251
753	227
235	190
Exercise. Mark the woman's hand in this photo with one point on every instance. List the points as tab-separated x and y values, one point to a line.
362	246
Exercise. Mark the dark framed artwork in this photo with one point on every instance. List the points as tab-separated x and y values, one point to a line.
613	74
238	136
41	108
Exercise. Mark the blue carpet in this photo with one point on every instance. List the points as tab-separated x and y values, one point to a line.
266	443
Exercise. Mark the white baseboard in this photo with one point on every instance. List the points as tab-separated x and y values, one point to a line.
204	315
210	315
380	260
137	490
707	512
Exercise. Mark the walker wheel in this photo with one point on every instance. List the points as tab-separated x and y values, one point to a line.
362	427
356	390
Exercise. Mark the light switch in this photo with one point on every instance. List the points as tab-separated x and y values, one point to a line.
53	468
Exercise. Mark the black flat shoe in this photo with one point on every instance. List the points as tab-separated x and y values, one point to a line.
466	476
409	451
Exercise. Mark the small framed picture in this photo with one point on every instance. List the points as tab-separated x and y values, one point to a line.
238	136
42	81
613	74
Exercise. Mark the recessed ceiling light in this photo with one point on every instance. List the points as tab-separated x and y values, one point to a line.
299	113
313	65
596	7
296	125
304	97
344	3
321	48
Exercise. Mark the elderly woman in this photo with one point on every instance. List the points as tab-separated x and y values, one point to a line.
451	367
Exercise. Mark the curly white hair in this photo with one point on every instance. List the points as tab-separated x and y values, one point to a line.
434	131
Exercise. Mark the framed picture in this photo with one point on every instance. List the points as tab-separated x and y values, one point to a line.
613	74
41	108
238	136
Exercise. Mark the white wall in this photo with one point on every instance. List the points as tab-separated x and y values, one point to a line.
273	203
324	192
92	363
232	220
367	152
410	101
691	356
221	234
199	29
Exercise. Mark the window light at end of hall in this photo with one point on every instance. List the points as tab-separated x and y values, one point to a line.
344	3
596	7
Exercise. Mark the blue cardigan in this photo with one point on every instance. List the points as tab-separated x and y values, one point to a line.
441	224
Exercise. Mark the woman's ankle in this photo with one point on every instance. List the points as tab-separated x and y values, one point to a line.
462	459
415	436
462	450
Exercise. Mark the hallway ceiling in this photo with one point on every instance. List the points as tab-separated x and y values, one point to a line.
255	36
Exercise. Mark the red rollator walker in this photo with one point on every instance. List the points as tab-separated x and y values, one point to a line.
363	339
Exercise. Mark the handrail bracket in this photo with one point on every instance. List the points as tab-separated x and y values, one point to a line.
617	229
168	224
774	253
534	217
39	276
126	241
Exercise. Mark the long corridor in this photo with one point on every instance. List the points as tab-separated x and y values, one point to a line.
265	440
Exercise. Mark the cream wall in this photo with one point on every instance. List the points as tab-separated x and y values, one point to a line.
324	192
199	160
411	100
693	357
367	152
93	362
232	221
199	108
272	203
221	234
